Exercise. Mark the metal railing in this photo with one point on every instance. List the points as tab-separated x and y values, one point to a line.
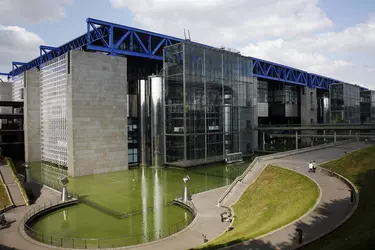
274	156
87	243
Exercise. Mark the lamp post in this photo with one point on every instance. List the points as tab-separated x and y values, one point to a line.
64	194
186	192
27	172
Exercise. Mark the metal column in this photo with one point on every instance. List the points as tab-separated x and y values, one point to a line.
157	117
144	120
334	136
296	139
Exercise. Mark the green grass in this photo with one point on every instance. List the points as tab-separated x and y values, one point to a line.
4	199
276	198
359	231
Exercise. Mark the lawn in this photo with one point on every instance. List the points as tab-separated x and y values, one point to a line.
4	199
276	198
359	231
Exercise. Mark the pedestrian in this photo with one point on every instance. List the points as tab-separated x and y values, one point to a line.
314	166
310	167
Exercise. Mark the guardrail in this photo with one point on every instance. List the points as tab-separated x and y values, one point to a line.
275	156
15	177
110	242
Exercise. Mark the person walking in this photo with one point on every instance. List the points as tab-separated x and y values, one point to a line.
314	166
311	167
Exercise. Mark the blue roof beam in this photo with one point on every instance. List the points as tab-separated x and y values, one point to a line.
124	40
47	53
320	82
273	71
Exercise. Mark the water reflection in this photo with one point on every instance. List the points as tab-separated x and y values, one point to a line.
144	204
158	205
143	190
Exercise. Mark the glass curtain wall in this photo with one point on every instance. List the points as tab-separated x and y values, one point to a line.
345	103
365	106
208	104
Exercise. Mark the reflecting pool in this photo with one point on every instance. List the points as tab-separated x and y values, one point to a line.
129	207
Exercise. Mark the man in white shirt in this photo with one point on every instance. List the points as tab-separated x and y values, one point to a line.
311	166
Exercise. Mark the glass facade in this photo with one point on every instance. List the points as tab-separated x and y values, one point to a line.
209	96
345	103
365	103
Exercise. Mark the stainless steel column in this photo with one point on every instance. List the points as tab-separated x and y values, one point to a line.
227	124
144	120
157	120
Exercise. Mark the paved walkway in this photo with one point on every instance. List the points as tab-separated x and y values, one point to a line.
333	206
10	238
14	189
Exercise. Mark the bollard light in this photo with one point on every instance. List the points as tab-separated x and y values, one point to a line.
186	192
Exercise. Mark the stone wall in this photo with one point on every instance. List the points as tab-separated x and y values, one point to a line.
97	120
31	121
309	109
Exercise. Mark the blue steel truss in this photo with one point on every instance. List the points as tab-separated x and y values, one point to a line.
321	82
116	39
273	71
124	40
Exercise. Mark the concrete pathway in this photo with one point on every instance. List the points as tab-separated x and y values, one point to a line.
333	206
10	238
14	190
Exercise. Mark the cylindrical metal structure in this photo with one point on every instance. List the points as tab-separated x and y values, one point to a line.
143	120
64	194
186	193
157	120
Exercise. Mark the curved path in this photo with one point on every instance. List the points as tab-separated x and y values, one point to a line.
14	189
333	206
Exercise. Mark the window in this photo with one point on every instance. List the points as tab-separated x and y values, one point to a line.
132	155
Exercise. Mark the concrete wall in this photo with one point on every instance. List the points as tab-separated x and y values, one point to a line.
5	95
31	121
309	109
97	119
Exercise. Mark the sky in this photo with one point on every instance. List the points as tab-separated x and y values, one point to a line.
334	38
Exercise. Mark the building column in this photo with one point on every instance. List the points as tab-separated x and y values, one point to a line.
32	116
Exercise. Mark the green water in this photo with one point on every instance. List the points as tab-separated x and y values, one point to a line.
145	193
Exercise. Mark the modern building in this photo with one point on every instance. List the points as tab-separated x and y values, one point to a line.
118	96
345	103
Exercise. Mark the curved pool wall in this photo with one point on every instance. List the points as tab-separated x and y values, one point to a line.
128	207
80	226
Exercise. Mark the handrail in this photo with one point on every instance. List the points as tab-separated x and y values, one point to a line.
239	178
15	177
108	242
274	156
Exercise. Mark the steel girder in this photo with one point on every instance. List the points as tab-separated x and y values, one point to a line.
273	71
116	39
48	53
320	82
124	40
278	72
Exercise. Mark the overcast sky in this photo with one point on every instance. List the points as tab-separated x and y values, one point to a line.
335	38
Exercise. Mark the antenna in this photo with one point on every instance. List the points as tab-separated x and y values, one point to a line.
184	34
189	35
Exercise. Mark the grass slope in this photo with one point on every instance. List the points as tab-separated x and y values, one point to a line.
4	199
276	198
359	231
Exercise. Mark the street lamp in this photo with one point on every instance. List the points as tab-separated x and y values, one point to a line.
64	182
186	193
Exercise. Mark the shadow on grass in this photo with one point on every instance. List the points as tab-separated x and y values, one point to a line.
325	218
